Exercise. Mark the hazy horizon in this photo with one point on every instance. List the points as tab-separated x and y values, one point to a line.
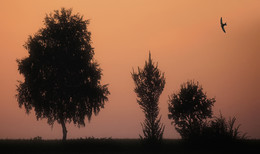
184	37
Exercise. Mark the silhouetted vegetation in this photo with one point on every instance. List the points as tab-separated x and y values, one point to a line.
220	129
149	84
61	78
189	110
62	83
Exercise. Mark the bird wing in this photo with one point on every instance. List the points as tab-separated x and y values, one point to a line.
222	26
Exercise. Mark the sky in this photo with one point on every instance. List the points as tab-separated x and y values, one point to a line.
184	37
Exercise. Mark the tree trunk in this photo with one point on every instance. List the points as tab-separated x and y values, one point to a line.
64	130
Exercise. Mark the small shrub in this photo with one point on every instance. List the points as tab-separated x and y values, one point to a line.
221	129
38	138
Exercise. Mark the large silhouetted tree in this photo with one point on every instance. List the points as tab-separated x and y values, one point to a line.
61	78
189	108
149	84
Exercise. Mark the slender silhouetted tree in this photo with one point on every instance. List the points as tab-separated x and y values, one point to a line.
189	109
61	78
149	84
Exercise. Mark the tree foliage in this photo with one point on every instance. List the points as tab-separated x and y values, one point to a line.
61	77
149	84
189	108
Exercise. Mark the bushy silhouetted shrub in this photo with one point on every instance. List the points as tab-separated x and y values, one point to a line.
221	129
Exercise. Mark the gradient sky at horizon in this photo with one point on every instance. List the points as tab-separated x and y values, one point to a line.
184	37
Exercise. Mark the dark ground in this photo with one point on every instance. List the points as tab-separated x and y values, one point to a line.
80	146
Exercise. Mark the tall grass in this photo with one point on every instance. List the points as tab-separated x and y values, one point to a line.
223	130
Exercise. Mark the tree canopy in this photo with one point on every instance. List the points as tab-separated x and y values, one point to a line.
189	108
62	81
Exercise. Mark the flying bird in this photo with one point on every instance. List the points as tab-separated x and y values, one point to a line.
222	25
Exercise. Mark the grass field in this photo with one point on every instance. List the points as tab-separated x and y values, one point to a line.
80	146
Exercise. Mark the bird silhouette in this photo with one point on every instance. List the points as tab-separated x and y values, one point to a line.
222	25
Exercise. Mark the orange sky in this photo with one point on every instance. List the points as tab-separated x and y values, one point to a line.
183	36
